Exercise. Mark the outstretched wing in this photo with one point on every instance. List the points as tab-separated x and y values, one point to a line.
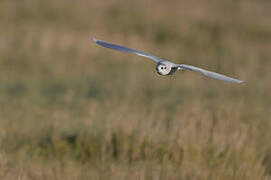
210	73
125	49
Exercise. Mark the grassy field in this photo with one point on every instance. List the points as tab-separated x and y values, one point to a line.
70	109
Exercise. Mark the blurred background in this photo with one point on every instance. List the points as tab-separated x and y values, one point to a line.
73	110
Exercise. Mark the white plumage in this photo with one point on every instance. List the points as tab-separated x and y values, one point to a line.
166	67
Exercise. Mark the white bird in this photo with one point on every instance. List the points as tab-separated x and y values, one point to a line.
164	67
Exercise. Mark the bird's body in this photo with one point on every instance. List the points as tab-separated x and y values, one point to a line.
164	67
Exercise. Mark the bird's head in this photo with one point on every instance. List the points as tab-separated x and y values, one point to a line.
163	69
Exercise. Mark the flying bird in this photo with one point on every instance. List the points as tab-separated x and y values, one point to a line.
164	67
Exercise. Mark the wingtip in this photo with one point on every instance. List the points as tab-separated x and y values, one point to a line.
95	40
240	81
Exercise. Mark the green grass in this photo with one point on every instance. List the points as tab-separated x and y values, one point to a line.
73	110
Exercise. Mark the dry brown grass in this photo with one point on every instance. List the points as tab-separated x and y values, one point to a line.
73	110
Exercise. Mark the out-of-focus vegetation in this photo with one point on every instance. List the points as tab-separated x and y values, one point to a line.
73	110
